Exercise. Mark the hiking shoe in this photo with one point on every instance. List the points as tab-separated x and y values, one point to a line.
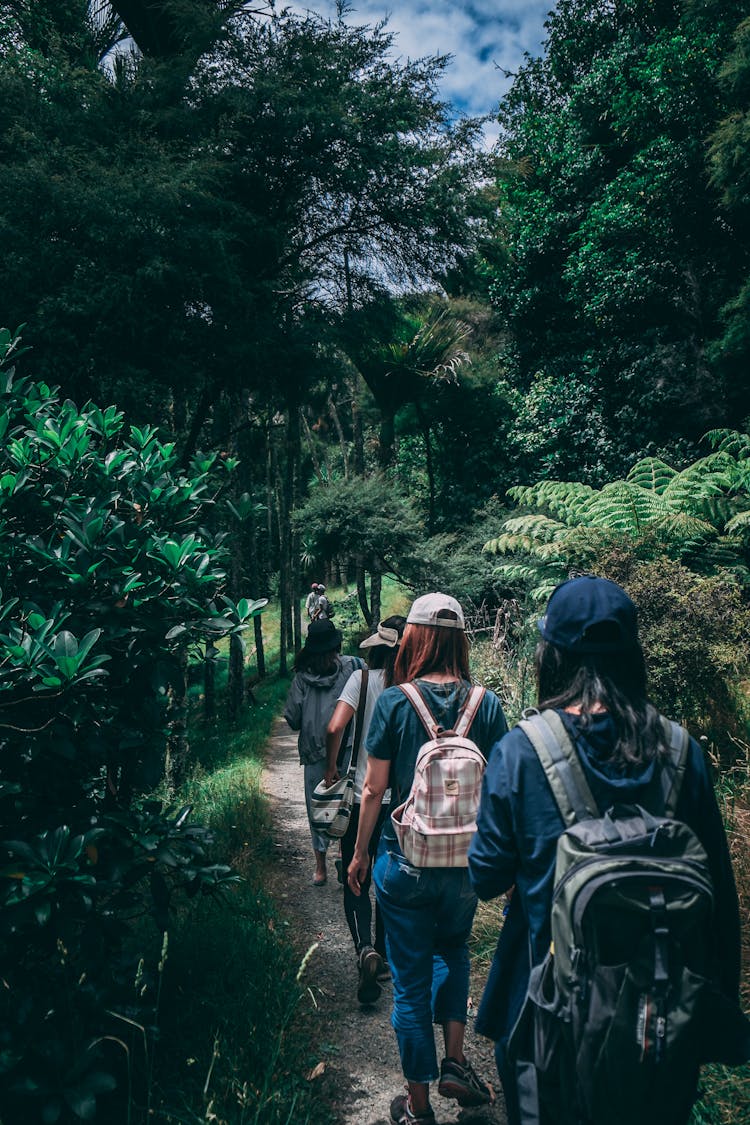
370	964
460	1081
401	1113
384	975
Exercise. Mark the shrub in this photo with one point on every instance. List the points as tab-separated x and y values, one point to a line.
696	636
106	581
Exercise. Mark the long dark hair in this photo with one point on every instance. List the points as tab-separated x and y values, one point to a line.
381	656
317	663
428	648
615	681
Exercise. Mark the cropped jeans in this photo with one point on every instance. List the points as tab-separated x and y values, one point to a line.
427	914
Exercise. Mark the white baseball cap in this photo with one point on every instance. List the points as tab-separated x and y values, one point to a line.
427	610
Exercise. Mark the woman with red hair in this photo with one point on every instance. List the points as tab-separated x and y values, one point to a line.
427	911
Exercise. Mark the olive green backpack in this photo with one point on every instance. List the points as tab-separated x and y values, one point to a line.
623	1009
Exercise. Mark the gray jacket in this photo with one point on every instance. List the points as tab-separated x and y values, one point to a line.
311	702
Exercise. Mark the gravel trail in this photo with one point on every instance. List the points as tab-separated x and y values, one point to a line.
358	1054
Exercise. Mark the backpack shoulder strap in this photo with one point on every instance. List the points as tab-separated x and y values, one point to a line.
358	720
469	710
559	759
415	697
673	770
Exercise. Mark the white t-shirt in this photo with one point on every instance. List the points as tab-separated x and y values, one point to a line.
350	695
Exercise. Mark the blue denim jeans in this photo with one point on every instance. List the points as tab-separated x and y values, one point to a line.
427	914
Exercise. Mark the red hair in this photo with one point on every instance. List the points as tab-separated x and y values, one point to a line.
428	648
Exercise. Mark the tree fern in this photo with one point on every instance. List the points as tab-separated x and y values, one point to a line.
651	473
736	444
700	514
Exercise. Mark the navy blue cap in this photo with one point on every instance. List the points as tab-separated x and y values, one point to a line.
590	615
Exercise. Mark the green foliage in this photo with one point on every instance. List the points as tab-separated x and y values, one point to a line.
454	561
362	517
245	185
695	632
618	255
698	515
730	173
108	579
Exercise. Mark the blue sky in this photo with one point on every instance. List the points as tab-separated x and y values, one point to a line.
481	35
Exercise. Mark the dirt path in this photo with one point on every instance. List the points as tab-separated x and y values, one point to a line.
357	1045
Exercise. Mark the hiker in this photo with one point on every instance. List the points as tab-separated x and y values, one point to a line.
323	609
590	671
311	602
382	650
321	673
427	911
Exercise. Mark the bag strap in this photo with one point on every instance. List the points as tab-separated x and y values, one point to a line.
358	724
415	697
469	711
465	716
559	759
673	770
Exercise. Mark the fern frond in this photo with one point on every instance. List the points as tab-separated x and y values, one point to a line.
683	526
623	507
720	554
652	474
739	526
733	442
563	498
536	526
695	484
539	581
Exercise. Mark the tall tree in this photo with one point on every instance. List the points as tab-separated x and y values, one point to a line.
730	168
618	255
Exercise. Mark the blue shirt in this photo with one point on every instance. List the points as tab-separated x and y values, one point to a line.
396	732
515	845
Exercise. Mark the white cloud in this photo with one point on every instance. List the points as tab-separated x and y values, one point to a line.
485	38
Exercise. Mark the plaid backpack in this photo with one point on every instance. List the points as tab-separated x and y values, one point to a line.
616	1018
435	824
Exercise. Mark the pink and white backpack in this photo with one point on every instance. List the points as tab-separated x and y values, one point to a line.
436	822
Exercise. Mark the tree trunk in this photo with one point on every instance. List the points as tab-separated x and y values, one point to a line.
260	656
376	588
340	432
236	683
200	415
357	435
313	452
283	536
425	426
387	440
362	593
294	458
178	747
209	681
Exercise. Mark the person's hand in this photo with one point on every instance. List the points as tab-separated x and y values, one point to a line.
356	872
330	776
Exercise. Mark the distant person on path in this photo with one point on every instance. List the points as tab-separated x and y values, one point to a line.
382	650
321	673
428	912
323	609
311	602
590	670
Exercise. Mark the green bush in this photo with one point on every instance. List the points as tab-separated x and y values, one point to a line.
107	580
696	636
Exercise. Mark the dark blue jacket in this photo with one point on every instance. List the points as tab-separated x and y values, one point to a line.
517	830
